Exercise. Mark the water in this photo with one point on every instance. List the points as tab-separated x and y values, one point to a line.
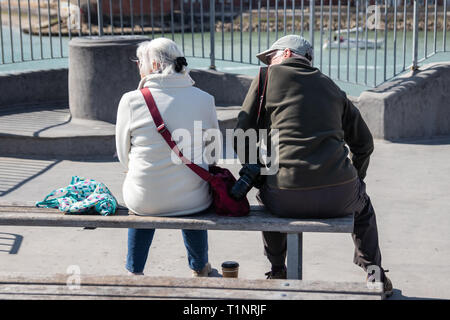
348	68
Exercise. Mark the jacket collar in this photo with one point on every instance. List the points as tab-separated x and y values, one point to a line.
174	80
298	62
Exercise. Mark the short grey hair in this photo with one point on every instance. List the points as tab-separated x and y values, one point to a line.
163	51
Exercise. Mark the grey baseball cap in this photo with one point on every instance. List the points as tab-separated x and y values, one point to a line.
297	44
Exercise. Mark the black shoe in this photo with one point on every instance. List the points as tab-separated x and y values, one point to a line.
277	274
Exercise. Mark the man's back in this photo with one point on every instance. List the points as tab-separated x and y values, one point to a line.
315	120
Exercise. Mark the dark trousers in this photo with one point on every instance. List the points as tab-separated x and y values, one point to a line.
321	203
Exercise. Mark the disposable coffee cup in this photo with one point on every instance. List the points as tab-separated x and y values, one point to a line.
230	269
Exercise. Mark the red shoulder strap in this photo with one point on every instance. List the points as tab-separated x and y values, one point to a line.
165	133
261	95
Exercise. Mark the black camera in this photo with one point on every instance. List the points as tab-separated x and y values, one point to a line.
250	176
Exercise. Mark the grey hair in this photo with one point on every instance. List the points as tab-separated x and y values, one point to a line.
163	51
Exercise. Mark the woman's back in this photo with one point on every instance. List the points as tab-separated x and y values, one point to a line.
156	182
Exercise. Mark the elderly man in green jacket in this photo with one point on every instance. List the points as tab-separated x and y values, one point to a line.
316	179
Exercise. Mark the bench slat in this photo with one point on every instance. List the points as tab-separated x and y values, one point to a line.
144	287
259	220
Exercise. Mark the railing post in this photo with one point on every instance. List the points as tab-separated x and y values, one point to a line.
100	17
212	31
312	23
415	35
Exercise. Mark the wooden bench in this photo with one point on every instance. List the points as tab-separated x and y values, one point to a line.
26	214
145	287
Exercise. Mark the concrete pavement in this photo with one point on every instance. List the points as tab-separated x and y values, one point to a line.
409	184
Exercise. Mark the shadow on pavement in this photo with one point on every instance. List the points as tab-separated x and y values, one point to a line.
10	240
399	296
16	172
432	141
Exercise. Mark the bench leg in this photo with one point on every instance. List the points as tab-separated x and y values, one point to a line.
294	255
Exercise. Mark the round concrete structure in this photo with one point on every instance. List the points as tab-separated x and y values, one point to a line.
100	72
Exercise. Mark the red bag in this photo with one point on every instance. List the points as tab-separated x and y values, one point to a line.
220	179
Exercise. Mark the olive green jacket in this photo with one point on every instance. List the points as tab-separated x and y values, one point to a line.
315	121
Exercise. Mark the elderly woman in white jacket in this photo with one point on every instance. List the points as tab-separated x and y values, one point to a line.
155	184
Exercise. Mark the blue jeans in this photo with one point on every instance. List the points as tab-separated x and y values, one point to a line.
139	241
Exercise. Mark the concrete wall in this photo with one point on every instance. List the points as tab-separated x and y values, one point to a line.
414	105
227	89
36	87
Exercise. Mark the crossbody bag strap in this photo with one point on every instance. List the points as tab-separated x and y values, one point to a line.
165	133
261	92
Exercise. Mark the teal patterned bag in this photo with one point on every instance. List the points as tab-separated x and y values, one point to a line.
81	196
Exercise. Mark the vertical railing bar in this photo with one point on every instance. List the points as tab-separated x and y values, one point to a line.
212	30
404	35
141	4
79	18
321	36
202	29
182	23
59	29
132	17
375	46
293	16
348	42
232	28
268	24
172	22
366	34
302	19
121	16
312	25
89	17
20	28
435	26
240	20
339	41
395	38
250	9
162	18
425	53
111	16
10	30
357	41
30	31
152	21
444	26
223	28
385	38
284	17
69	22
49	29
259	29
1	36
330	27
192	26
100	17
276	19
415	34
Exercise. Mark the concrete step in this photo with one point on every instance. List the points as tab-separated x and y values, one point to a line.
49	130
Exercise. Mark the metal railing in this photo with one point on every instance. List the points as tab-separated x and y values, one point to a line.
361	41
